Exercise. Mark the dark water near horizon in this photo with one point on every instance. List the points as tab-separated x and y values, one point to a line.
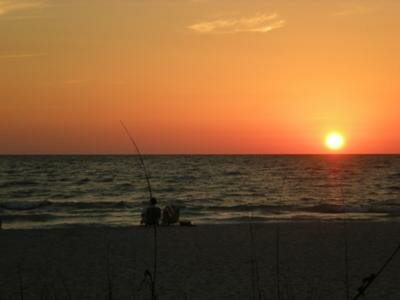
53	191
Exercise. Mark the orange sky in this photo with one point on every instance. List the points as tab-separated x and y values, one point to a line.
198	76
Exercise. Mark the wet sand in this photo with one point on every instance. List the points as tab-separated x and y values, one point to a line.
203	262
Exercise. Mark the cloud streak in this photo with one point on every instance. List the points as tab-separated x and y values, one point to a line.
19	55
9	6
260	23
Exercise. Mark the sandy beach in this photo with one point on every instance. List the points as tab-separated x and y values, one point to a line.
202	262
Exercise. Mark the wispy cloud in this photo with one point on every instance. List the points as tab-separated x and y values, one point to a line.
8	6
19	55
259	23
353	8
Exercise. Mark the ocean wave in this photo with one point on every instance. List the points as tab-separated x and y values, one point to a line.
394	175
338	209
21	193
182	178
96	205
20	205
106	179
325	208
168	189
82	181
390	210
27	218
64	196
244	219
307	199
392	203
394	188
17	183
251	207
232	173
331	185
69	205
27	193
123	187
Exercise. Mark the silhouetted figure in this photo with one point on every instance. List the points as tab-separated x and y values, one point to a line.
151	214
170	214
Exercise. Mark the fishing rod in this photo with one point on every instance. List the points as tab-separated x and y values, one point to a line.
146	173
367	281
147	273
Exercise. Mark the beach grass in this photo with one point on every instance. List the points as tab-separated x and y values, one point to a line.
300	259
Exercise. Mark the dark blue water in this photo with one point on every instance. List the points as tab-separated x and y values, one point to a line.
50	191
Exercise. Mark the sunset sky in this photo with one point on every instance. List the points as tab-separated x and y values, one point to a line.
199	76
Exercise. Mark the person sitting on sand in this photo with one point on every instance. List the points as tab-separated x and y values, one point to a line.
170	214
151	214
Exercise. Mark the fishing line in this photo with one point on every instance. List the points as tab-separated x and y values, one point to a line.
146	173
147	273
369	280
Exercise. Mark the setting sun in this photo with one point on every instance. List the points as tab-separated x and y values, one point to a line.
334	141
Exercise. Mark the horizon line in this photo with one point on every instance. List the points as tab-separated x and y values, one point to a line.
190	154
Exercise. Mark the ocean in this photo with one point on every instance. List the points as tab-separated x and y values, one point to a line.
62	191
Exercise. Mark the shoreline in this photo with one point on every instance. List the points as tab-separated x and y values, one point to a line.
208	224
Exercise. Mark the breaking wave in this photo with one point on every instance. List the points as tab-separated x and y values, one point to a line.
67	205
